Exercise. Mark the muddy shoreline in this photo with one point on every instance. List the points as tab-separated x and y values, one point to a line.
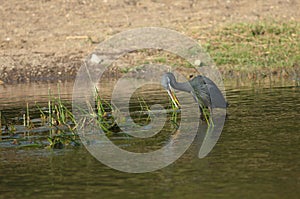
65	69
48	40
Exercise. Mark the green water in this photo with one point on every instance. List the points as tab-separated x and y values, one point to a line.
257	156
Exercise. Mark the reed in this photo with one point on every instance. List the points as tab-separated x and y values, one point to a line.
60	120
104	113
27	116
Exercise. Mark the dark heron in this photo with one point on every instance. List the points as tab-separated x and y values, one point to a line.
204	90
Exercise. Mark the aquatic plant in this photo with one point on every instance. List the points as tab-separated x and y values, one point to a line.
104	113
60	120
57	118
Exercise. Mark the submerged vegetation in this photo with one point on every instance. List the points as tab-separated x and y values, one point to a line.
54	117
55	121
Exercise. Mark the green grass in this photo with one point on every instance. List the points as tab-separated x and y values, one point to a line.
60	118
262	47
256	46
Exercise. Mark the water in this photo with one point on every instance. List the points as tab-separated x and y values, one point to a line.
257	156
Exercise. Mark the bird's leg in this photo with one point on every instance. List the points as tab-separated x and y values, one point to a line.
202	114
205	114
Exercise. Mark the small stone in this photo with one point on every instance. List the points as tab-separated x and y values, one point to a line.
197	62
95	59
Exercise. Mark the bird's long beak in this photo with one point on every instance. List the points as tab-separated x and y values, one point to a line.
173	98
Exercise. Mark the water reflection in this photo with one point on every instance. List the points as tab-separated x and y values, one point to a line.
257	155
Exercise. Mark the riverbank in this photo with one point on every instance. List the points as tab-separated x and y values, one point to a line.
48	41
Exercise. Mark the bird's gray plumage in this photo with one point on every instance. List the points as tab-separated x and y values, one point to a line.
203	89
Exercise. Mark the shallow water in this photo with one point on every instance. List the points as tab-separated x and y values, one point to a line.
257	155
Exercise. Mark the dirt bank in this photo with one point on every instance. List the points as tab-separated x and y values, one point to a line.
47	40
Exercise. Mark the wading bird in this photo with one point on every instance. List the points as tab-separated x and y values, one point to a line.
204	90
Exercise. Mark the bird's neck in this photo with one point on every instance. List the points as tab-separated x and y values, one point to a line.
184	86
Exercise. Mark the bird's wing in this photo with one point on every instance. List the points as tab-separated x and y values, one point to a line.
216	96
208	92
201	92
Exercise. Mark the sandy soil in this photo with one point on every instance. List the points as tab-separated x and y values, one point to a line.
48	39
